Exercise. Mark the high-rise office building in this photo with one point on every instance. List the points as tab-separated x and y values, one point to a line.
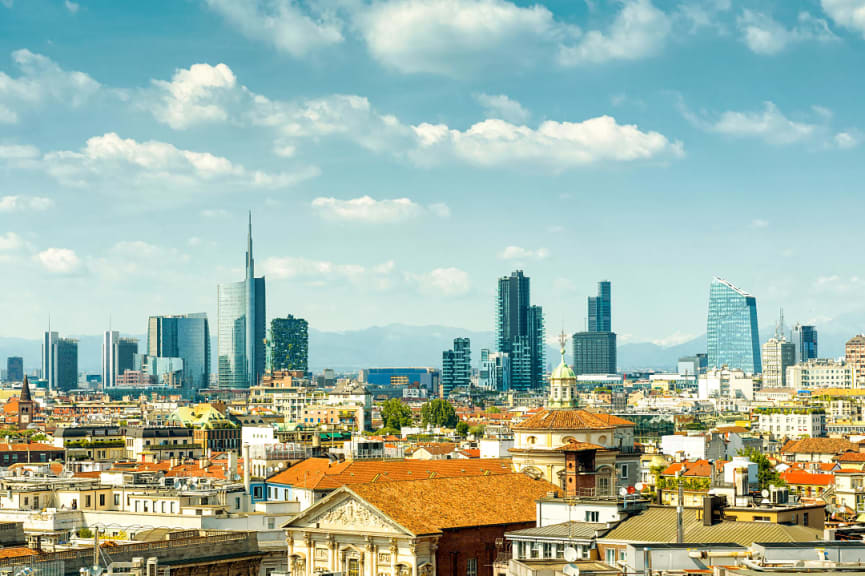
241	327
805	341
494	371
59	362
854	354
118	356
600	309
456	367
185	337
693	365
778	354
594	352
110	340
288	344
595	349
732	334
520	332
14	369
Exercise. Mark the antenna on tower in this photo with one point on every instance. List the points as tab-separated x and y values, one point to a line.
779	328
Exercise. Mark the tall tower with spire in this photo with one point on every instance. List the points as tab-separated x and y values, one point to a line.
563	382
241	327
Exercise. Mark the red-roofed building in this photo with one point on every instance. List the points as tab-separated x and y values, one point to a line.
807	484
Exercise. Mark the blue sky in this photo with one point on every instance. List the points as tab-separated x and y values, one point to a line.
400	155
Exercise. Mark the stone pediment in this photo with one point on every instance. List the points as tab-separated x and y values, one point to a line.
348	515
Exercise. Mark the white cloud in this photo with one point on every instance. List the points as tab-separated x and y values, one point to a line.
18	152
71	6
847	13
194	95
674	339
769	125
500	106
282	23
846	140
758	223
368	209
130	260
442	282
456	37
839	285
112	158
25	203
518	253
764	35
440	209
697	15
638	31
558	145
41	80
10	242
493	142
215	213
323	272
61	261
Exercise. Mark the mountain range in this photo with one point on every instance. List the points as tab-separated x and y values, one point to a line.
405	345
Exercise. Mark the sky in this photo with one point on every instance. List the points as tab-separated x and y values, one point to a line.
398	156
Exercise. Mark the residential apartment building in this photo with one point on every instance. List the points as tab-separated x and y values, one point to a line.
785	422
778	354
820	373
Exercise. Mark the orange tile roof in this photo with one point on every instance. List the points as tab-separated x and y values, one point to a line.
574	446
818	446
471	452
24	447
438	449
851	457
698	468
571	420
17	552
321	474
431	506
802	478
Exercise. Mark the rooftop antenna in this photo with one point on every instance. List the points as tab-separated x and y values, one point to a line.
779	328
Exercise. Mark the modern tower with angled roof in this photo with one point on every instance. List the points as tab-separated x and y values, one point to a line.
242	327
731	330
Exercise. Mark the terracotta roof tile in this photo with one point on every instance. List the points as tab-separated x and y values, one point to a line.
571	420
802	478
851	457
430	506
818	446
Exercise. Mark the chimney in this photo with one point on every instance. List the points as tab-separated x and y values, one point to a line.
232	465
247	468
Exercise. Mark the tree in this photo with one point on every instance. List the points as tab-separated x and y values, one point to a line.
439	413
766	473
493	410
395	414
462	428
476	431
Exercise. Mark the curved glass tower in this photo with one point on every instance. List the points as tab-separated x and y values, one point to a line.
733	338
241	327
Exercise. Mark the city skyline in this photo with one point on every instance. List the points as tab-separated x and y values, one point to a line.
184	138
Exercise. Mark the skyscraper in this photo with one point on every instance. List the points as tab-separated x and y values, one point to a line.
854	354
241	327
733	337
59	362
600	309
520	332
118	356
186	337
288	344
778	354
594	352
456	367
805	340
14	369
595	349
109	358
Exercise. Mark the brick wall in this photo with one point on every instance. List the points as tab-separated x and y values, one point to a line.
456	546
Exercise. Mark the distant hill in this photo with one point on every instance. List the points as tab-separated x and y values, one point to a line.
404	345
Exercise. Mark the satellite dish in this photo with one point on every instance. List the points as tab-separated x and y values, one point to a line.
571	554
639	486
764	493
623	491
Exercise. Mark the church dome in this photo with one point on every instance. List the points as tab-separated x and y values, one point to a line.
563	372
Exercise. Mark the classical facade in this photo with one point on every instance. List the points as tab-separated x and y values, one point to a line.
443	527
540	441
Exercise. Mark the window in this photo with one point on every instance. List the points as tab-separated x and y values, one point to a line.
271	523
87	501
610	556
548	550
592	515
117	499
472	567
624	471
603	486
354	567
560	550
805	518
321	553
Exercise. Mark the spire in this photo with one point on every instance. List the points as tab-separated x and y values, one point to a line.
25	391
250	263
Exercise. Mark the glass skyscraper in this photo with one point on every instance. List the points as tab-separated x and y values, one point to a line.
186	337
733	337
600	309
456	367
59	362
241	327
520	332
805	339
